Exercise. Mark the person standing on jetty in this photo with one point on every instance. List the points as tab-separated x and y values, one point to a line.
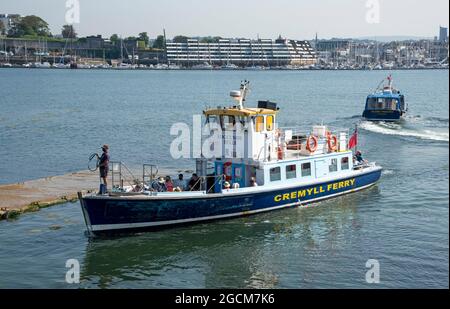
103	165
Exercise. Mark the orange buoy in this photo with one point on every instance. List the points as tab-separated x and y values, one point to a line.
309	147
332	142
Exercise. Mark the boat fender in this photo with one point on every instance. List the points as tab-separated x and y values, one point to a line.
332	142
309	147
280	153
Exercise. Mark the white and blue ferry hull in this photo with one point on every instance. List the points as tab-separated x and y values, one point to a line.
126	213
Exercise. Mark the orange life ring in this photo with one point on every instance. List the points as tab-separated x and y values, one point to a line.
310	148
332	142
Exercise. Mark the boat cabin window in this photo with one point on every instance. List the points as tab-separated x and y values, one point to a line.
291	171
275	174
344	163
269	123
211	119
382	103
227	122
306	169
333	165
242	120
259	125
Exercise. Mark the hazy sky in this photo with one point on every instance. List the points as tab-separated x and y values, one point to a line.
296	19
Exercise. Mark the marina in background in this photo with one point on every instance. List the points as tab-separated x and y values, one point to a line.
67	50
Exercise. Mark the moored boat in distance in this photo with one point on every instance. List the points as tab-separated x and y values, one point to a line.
255	171
385	104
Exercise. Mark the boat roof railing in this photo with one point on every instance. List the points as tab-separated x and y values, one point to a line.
307	132
385	95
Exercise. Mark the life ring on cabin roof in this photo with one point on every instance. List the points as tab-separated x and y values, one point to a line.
332	142
310	148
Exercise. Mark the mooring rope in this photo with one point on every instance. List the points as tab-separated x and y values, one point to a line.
97	161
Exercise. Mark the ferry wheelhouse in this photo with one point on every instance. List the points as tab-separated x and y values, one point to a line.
267	167
385	104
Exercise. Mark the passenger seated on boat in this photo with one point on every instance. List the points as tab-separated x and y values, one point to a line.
359	159
226	185
159	185
180	182
194	183
169	184
236	185
177	189
137	188
253	182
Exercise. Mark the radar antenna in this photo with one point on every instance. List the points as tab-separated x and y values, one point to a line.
240	95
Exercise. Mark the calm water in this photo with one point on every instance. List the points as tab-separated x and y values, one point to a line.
50	121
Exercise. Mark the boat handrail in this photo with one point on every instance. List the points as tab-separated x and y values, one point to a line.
150	176
204	179
121	167
303	131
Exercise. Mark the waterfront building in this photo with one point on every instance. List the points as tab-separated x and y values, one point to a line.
443	34
241	52
333	44
8	21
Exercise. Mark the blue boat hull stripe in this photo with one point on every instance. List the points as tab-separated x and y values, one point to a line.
262	189
120	226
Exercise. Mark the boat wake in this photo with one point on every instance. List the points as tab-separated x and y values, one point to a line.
416	128
387	172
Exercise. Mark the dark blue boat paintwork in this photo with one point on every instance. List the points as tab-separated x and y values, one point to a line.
382	114
128	211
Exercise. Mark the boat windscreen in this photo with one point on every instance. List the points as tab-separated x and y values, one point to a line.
382	103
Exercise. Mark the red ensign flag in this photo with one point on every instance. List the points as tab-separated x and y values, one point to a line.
353	140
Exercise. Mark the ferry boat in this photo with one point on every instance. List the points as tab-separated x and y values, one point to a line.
385	104
254	172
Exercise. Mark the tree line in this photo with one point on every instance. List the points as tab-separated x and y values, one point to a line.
35	26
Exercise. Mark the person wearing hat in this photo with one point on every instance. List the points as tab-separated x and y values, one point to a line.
103	165
359	158
159	185
226	185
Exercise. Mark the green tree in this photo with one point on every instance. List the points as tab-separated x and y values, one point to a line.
114	38
29	25
68	32
180	39
159	42
143	36
209	39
